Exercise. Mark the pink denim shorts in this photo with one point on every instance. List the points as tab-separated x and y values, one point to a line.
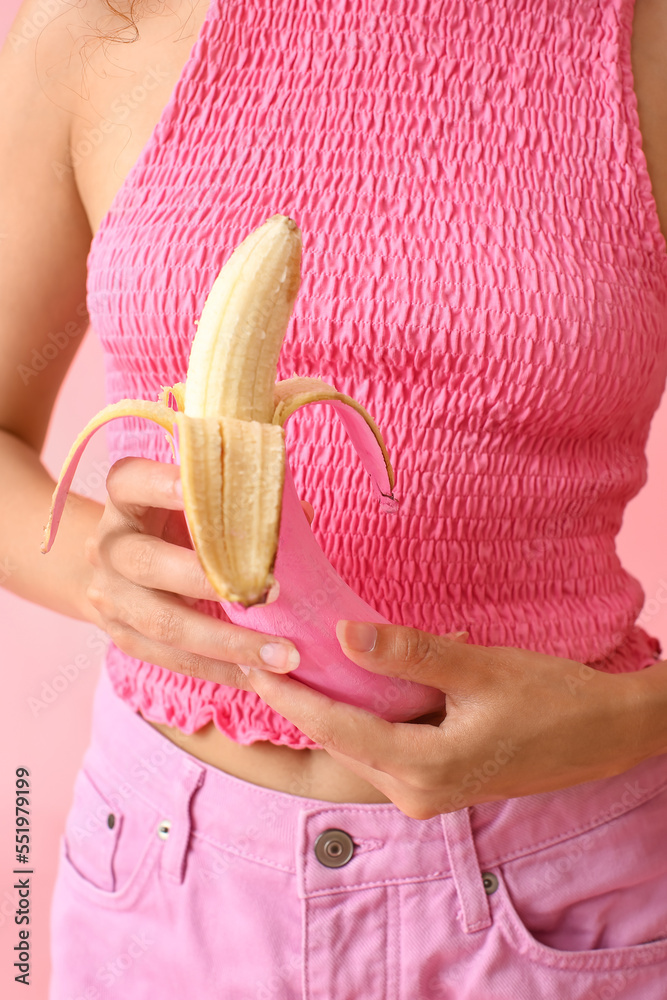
178	881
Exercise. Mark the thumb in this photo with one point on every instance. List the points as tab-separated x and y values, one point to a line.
398	651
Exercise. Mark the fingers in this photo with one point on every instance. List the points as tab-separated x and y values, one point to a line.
393	748
397	651
405	762
150	562
163	619
136	485
177	660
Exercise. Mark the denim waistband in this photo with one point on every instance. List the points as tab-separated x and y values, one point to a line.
276	828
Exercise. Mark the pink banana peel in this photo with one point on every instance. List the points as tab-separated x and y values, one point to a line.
312	597
245	520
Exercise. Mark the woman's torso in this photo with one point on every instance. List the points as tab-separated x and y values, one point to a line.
129	85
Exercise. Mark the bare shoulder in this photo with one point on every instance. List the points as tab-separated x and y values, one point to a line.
118	70
45	42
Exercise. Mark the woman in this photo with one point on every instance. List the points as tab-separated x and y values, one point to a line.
484	268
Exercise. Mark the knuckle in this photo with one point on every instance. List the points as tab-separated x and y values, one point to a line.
91	550
120	635
196	581
424	781
188	664
116	474
94	596
417	807
202	668
233	643
126	639
321	736
165	626
318	730
141	560
416	647
99	599
502	658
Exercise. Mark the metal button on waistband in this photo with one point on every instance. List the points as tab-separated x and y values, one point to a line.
163	829
334	848
490	882
111	821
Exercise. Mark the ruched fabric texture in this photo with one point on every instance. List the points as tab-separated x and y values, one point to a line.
483	269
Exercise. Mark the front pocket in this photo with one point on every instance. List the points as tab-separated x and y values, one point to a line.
596	900
92	831
109	844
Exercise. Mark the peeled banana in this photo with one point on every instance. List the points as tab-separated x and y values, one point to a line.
247	525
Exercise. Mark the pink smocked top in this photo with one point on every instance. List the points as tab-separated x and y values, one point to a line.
483	269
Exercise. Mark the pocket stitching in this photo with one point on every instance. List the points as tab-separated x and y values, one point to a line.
75	876
571	834
622	958
120	898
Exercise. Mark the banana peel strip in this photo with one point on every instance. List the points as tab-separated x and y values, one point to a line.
236	467
159	413
290	394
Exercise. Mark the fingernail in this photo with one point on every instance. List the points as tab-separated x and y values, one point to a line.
359	636
457	635
242	667
178	489
279	656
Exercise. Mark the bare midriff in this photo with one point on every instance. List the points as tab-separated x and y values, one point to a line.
165	42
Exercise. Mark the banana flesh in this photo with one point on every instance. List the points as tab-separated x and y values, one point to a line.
226	420
234	356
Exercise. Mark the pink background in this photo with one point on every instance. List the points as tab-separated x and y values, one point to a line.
50	663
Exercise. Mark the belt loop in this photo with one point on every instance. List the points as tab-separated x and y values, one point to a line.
474	902
179	823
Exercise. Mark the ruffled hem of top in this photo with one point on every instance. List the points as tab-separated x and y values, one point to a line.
636	651
189	703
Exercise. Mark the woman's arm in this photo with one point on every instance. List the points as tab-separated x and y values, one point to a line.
124	565
44	241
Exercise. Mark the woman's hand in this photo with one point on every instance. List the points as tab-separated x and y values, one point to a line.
516	723
146	578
